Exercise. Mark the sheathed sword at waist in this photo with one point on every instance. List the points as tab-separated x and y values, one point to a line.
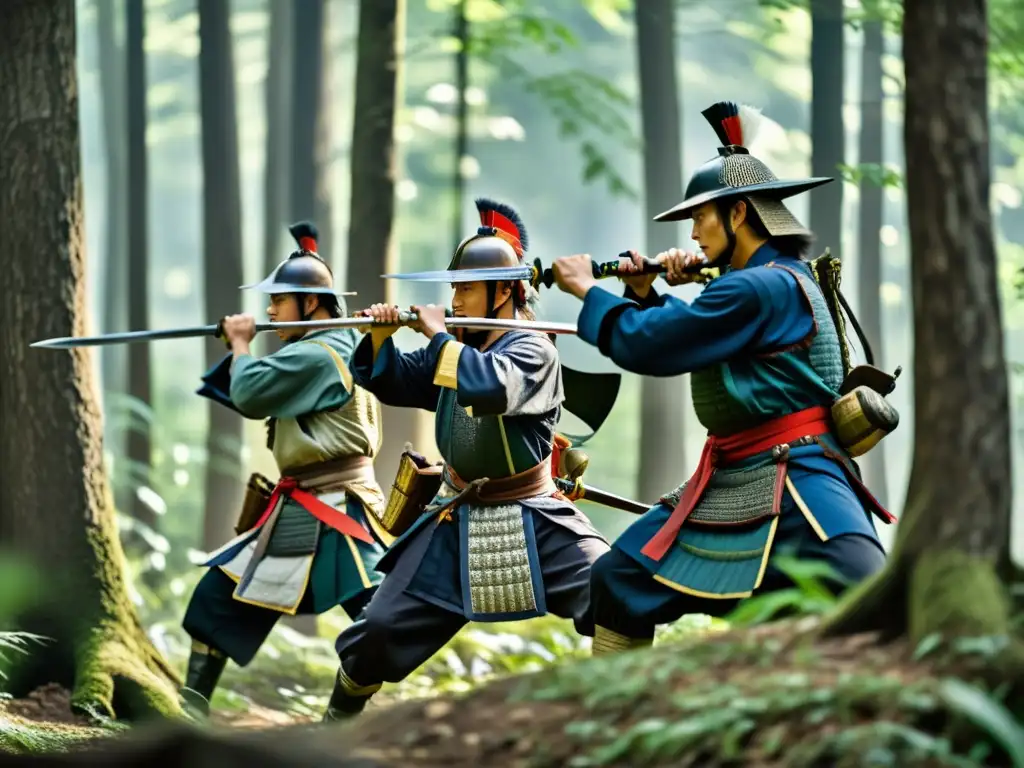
576	490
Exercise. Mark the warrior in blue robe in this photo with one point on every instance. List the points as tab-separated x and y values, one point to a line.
315	538
768	372
497	542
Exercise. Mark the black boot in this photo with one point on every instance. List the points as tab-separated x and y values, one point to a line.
347	699
205	666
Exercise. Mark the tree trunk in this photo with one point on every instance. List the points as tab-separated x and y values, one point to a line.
312	147
56	498
828	135
942	575
115	289
461	119
872	203
222	256
275	172
371	245
137	267
662	402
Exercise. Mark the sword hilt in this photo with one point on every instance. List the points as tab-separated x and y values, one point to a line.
545	275
406	317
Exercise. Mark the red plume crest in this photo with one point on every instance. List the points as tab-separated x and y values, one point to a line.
504	219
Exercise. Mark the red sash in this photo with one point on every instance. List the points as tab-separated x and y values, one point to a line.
325	513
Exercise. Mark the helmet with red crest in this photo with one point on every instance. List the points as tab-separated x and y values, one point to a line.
500	241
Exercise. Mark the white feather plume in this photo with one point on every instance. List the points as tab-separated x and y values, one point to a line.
750	123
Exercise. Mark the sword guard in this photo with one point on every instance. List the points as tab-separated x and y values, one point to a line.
576	491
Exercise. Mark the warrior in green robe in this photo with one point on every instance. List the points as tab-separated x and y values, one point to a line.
313	540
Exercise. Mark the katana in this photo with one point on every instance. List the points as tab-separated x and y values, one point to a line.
538	275
577	491
404	319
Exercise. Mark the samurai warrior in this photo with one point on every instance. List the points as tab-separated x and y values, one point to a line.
312	540
497	541
771	383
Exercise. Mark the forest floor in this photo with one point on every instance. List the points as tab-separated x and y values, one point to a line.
764	696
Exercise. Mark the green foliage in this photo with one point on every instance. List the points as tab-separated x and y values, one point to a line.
744	700
807	597
872	173
987	714
582	103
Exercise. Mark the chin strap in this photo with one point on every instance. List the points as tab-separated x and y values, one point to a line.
476	339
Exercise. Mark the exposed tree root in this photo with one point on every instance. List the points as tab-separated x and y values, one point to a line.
120	674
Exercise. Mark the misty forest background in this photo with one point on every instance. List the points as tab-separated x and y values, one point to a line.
207	126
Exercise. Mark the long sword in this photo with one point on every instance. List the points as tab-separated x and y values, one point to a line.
578	491
539	275
404	318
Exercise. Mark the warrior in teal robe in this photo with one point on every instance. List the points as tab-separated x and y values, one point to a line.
316	540
767	367
498	542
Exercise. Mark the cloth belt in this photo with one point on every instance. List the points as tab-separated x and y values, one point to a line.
297	486
722	451
535	481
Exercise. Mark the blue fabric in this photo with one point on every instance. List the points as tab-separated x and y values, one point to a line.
217	384
721	561
625	599
399	379
744	311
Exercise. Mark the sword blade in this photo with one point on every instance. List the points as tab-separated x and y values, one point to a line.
538	275
405	318
127	337
466	275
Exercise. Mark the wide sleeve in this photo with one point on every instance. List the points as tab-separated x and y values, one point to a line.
304	377
521	378
400	379
737	313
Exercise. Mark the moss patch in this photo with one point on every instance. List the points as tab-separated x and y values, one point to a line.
21	736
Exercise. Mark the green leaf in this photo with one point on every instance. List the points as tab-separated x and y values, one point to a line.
987	714
928	644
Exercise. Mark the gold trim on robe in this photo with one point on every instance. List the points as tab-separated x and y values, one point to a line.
447	372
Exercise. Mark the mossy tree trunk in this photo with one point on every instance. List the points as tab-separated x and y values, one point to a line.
56	500
944	572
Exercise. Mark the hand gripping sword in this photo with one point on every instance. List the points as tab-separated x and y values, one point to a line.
198	331
538	275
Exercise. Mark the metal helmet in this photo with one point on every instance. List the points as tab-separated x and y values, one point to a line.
303	271
735	172
500	241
